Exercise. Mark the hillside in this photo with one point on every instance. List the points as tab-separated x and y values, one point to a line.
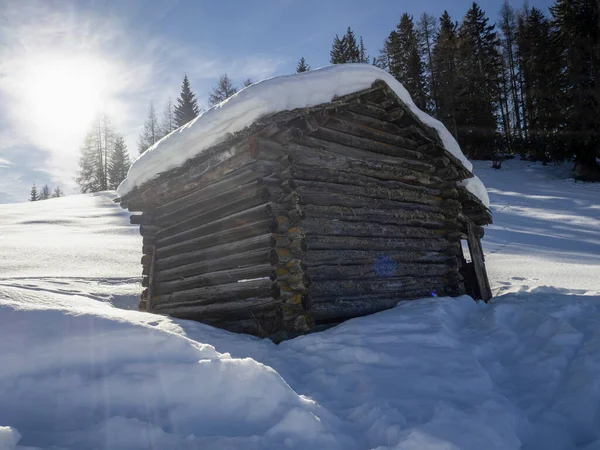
79	370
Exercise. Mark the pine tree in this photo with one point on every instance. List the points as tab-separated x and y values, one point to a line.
167	124
248	82
363	56
119	163
339	50
222	91
57	192
404	59
302	66
93	162
187	105
479	78
151	133
577	24
444	56
345	50
45	193
33	193
427	30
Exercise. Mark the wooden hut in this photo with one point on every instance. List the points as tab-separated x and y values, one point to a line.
308	216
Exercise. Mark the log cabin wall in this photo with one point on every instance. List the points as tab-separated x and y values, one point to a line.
317	215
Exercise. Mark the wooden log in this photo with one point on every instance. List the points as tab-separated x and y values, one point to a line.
381	286
366	119
220	293
300	173
424	219
215	278
264	241
372	257
139	219
149	230
223	313
228	235
209	167
151	281
377	271
356	127
243	176
320	157
318	242
398	194
248	194
417	163
227	262
478	262
333	227
194	217
323	198
357	306
252	215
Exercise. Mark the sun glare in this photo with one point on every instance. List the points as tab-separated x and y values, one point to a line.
64	94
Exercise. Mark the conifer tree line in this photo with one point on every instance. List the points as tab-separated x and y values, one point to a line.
44	193
526	84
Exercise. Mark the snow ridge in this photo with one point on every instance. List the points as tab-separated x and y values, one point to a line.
268	97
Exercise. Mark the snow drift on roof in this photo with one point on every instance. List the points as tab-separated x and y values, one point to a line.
268	97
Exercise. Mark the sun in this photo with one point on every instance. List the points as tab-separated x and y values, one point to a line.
63	93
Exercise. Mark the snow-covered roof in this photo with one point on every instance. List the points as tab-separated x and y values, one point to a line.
271	96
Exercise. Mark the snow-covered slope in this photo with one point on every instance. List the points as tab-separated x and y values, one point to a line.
270	96
519	372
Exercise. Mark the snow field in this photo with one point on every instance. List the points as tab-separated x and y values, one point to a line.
79	371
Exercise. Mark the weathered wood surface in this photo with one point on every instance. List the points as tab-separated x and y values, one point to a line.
397	286
215	278
252	215
226	236
318	242
372	215
150	299
370	257
265	241
372	190
344	227
381	271
223	312
478	262
262	256
219	293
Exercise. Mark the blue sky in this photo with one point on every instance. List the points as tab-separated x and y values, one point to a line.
62	61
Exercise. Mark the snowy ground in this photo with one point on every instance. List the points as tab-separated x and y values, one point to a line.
520	372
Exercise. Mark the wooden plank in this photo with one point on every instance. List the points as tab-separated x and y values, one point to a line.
478	262
375	286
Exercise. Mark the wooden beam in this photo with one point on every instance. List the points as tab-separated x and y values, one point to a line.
478	262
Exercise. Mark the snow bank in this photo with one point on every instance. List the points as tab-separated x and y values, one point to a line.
268	97
521	372
77	373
